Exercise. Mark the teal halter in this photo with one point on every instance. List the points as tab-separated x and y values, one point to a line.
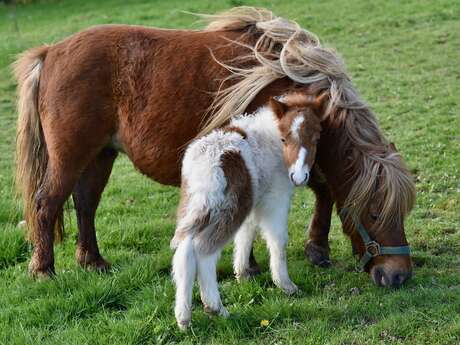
372	247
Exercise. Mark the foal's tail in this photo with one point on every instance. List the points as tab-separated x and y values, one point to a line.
190	225
31	152
209	229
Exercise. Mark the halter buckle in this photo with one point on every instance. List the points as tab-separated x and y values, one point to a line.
373	248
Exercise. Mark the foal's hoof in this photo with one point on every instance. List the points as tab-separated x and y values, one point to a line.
290	288
317	255
183	324
221	311
92	262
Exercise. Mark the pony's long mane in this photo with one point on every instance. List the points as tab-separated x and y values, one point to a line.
283	49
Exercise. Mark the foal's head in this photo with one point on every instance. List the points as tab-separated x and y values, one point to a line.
299	124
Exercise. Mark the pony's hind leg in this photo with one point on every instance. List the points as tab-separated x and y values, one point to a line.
209	289
86	196
66	163
184	272
54	191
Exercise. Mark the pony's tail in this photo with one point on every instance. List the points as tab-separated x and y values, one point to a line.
31	152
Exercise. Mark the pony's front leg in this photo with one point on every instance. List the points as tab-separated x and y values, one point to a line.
273	223
244	239
317	246
184	272
209	290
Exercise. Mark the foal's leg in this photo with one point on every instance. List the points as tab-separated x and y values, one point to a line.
184	272
209	289
244	239
86	196
317	247
273	225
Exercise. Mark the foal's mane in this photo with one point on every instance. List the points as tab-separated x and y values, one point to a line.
283	49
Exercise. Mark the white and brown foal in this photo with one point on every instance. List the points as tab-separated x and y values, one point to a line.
235	180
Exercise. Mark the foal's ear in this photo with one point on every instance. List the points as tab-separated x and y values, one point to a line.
318	103
279	108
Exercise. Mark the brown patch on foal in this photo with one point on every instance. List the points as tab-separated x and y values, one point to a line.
216	230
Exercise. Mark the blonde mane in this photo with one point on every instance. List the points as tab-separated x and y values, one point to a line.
284	49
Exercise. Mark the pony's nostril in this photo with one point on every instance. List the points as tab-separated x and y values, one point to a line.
307	177
399	278
291	176
377	276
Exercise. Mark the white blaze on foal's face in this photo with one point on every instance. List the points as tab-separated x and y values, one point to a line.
300	129
299	171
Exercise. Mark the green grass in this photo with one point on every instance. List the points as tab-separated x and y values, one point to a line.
403	57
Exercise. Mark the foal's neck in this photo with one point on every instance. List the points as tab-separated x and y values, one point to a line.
261	125
264	142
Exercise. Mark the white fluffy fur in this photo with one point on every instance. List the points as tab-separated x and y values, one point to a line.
271	189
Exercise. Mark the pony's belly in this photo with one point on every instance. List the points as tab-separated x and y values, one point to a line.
162	167
157	160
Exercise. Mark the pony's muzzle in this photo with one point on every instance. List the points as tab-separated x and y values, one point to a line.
389	278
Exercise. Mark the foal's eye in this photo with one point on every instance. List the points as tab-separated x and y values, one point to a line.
283	140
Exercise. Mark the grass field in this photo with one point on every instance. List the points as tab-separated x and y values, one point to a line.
404	58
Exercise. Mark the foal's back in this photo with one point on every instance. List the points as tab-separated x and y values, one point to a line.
217	190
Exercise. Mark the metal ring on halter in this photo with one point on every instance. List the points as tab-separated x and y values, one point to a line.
373	248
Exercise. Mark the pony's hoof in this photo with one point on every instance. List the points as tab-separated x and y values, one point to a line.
41	272
317	255
247	273
99	265
254	268
92	262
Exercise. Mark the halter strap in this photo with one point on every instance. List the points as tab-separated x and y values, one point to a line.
373	248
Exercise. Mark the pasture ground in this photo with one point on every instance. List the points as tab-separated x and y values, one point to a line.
403	57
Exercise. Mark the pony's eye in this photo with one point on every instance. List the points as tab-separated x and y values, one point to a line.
374	217
283	140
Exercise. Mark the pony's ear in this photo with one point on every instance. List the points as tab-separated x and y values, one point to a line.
393	147
279	108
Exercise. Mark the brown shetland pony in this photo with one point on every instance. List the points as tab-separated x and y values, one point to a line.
148	92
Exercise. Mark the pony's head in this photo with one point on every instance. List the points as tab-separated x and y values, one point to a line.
299	125
381	196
